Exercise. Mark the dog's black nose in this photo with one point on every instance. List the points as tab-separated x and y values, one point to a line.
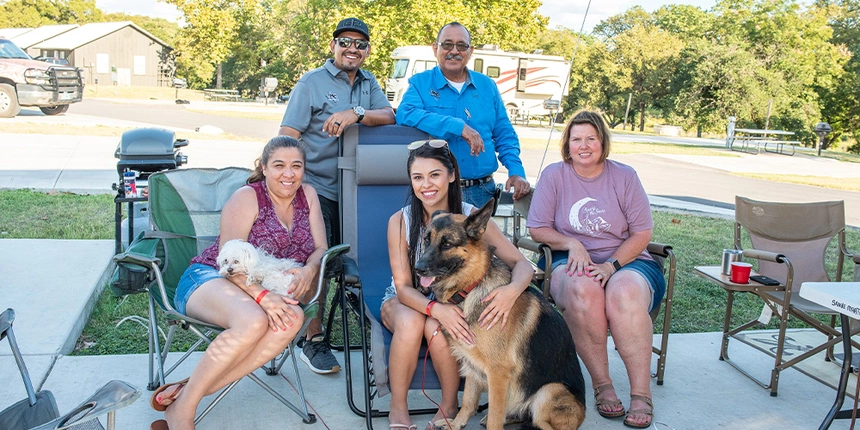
230	271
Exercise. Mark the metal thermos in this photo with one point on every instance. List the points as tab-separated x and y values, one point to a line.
729	256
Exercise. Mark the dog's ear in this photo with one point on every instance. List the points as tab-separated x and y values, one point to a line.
436	213
476	223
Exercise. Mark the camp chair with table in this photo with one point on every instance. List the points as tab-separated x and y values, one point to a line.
789	241
663	254
185	207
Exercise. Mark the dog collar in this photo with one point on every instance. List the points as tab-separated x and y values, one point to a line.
460	296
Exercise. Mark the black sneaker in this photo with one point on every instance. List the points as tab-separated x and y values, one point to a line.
316	353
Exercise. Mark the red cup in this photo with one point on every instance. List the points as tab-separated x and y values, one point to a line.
741	272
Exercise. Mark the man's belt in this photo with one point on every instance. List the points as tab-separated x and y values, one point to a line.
472	182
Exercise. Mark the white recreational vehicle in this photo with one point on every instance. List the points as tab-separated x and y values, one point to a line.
530	84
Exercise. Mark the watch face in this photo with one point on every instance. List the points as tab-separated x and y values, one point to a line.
358	110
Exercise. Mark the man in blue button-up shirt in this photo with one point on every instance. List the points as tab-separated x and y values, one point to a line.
465	108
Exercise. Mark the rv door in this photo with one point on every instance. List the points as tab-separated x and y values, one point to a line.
521	75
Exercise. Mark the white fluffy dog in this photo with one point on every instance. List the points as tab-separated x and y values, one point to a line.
240	257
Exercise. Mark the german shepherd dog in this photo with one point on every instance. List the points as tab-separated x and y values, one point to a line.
529	367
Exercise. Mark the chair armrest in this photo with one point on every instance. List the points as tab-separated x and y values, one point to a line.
328	257
773	257
131	257
659	249
856	258
112	396
530	244
350	272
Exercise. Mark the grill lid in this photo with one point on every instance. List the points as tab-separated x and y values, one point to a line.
148	142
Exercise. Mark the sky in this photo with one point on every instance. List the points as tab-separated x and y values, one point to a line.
567	13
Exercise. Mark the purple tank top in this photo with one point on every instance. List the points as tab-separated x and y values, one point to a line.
267	232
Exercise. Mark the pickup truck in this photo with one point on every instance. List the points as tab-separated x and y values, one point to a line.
27	82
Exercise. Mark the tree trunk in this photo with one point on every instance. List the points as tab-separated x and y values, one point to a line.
218	77
698	131
642	115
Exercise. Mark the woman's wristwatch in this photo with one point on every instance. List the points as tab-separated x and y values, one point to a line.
615	263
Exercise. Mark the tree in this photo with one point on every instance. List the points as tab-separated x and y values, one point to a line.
208	37
36	13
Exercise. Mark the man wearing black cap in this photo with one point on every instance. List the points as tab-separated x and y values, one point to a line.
323	103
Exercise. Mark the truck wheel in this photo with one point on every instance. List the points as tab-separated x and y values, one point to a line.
54	110
9	106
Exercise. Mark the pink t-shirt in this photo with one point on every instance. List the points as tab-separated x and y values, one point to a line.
600	212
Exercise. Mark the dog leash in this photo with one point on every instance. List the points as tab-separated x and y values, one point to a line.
424	377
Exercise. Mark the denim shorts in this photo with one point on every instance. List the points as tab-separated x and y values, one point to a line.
478	195
195	275
649	269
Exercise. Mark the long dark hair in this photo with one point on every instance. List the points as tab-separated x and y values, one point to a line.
274	144
416	208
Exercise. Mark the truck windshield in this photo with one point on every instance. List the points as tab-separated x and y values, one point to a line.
398	69
10	50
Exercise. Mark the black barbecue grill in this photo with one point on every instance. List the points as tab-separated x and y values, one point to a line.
145	151
149	150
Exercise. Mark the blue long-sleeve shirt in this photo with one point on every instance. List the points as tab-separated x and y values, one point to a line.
433	106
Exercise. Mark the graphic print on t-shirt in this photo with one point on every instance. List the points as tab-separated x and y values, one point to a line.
586	219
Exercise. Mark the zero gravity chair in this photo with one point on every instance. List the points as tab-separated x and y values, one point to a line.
789	242
374	185
185	211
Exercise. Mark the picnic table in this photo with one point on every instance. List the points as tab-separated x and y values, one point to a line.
218	94
754	140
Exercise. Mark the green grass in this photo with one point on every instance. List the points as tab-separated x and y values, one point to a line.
35	215
698	305
846	184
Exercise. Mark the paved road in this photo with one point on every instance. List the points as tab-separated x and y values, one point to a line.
696	179
177	116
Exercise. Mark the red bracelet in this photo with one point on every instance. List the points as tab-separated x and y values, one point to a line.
261	295
429	306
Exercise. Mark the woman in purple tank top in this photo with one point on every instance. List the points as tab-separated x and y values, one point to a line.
277	213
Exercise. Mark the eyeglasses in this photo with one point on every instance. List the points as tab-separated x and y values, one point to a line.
345	42
461	47
435	143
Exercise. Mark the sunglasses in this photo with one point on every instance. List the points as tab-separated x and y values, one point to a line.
461	47
435	143
345	42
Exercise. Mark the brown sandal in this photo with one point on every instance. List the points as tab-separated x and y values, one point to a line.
598	403
157	403
649	411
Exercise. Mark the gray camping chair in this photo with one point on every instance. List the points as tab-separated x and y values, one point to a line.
39	410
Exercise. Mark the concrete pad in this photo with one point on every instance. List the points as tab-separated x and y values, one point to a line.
699	392
52	294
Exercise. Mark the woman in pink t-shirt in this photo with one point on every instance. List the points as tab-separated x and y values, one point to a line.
595	215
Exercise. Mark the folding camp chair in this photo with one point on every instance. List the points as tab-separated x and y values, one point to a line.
789	241
39	410
185	207
374	185
661	253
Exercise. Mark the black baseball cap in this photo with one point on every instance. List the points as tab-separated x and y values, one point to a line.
352	24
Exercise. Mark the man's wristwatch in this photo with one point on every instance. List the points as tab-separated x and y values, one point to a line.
615	263
359	112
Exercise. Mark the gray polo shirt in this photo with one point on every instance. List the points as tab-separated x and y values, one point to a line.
318	94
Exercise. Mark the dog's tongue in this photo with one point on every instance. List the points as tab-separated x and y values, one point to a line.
426	281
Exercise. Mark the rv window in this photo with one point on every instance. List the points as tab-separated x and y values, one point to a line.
398	69
479	65
493	71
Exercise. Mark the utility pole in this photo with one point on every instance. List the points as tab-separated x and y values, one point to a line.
626	112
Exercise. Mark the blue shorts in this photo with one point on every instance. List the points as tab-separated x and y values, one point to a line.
195	275
649	269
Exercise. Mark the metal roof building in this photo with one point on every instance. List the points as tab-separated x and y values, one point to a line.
112	53
27	39
9	33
